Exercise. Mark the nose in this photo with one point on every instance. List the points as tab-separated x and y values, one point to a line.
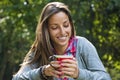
62	30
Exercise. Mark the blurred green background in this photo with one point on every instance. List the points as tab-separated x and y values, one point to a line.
97	20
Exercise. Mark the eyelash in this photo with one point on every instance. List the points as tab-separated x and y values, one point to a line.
66	25
54	27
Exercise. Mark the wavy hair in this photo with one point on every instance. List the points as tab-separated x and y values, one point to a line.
42	46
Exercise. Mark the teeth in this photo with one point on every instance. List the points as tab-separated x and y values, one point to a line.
62	38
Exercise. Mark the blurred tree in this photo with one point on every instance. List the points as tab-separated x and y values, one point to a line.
98	20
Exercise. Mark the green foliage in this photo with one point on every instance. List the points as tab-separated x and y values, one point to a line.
98	20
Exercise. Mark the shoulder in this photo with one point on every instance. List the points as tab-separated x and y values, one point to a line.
82	40
29	57
83	43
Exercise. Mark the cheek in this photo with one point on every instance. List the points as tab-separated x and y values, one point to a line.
70	31
52	33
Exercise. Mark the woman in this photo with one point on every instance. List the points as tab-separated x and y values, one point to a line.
55	35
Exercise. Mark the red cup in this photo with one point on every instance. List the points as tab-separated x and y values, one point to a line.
63	57
60	58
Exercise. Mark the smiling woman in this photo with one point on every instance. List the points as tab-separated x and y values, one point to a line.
60	31
55	35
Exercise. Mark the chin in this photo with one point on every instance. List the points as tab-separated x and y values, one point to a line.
63	44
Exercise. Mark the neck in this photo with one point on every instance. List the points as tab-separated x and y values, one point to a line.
60	49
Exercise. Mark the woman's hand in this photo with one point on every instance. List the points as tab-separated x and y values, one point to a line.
52	69
66	67
70	67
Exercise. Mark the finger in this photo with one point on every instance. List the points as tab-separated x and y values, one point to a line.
71	64
54	74
52	66
74	59
69	60
57	73
69	72
50	71
55	64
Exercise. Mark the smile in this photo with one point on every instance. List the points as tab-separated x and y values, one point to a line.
62	38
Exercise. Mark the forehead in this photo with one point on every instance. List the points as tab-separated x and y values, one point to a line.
58	18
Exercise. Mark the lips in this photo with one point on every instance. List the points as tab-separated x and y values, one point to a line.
62	38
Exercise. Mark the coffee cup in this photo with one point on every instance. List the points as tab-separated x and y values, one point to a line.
60	57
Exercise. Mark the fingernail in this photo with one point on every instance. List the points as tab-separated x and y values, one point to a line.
61	65
62	73
60	62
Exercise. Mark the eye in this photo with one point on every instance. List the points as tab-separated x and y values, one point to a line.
66	24
53	27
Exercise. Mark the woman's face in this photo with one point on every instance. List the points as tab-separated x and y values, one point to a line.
59	29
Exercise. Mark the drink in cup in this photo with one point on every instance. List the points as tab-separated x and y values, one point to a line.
60	58
63	57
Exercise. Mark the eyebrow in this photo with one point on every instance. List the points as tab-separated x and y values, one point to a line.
53	24
67	20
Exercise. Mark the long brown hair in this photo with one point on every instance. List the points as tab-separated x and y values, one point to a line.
42	46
